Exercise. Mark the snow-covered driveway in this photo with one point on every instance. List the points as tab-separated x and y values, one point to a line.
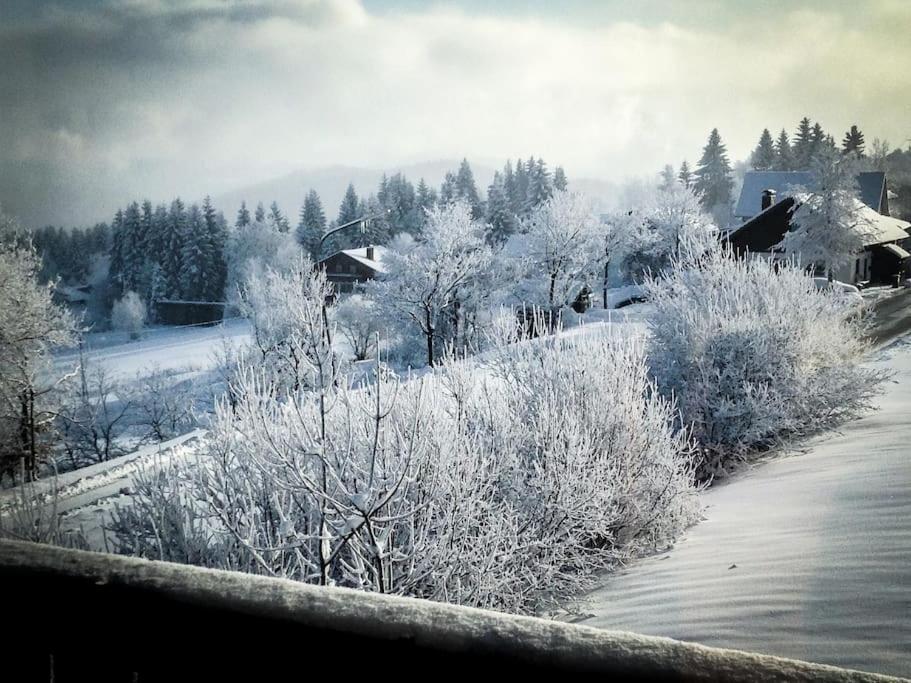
806	556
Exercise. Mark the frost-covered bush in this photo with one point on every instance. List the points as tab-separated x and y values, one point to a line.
129	314
502	482
754	352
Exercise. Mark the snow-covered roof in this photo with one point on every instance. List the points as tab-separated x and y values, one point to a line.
870	186
360	255
882	228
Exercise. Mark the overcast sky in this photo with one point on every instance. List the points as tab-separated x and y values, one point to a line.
104	100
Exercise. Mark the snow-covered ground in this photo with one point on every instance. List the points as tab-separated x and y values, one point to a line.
181	351
806	556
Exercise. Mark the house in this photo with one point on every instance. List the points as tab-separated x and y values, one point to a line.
872	190
883	257
349	268
76	298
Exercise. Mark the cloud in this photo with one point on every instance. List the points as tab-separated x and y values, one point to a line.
158	98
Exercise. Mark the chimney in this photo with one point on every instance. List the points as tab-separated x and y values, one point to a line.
768	198
370	253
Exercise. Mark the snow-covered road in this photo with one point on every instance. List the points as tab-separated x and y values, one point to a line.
806	556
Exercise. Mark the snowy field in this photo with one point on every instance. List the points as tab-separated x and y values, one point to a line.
806	556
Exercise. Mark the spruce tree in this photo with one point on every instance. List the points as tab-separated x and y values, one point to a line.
560	183
764	156
853	142
348	209
116	267
784	155
518	199
685	177
243	216
448	189
713	178
425	199
803	145
260	215
540	185
175	233
312	225
217	258
466	189
194	257
500	218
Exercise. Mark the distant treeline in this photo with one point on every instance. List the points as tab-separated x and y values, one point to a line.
175	251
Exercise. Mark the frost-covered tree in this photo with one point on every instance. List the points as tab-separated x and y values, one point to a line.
560	182
428	284
619	229
784	155
129	314
853	141
564	249
277	219
260	214
425	199
359	320
291	346
764	156
254	249
713	178
31	324
828	227
664	228
754	353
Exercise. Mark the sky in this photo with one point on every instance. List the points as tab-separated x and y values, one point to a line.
104	101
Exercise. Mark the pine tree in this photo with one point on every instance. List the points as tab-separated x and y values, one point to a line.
348	210
713	178
216	262
520	189
312	225
243	216
194	257
540	186
853	142
425	199
466	189
764	156
803	145
500	218
260	215
116	267
396	199
784	156
560	183
175	233
685	177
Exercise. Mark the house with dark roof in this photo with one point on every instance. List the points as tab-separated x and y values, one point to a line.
872	190
885	240
348	268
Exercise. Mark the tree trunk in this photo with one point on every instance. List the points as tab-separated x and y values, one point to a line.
606	267
429	332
